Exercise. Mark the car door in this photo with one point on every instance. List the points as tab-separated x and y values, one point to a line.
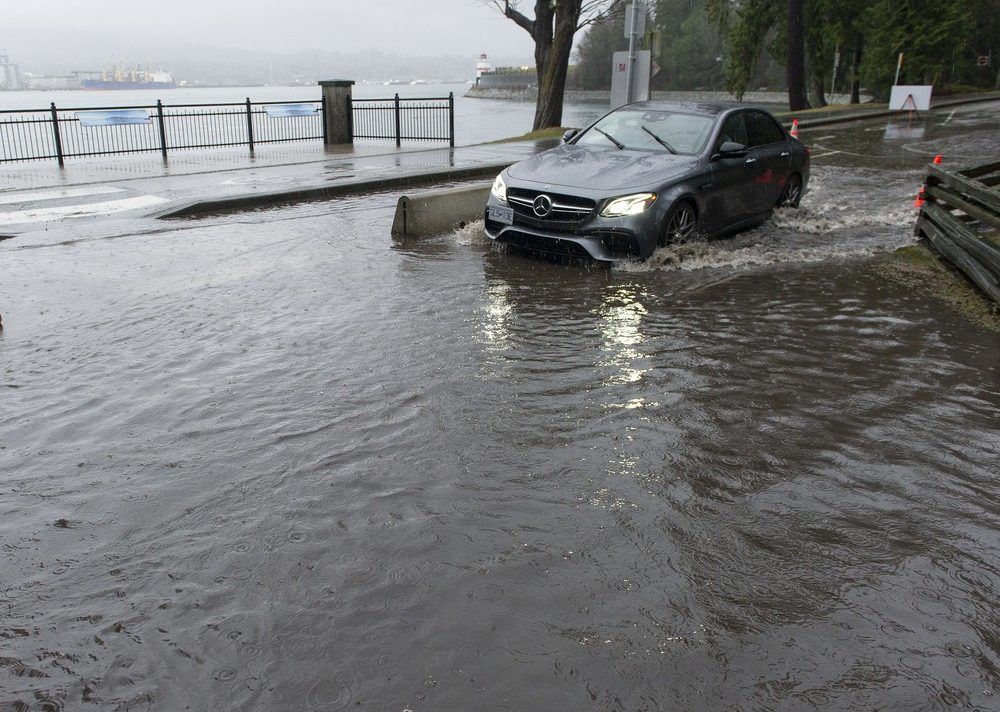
770	160
730	195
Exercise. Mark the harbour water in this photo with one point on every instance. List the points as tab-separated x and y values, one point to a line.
476	120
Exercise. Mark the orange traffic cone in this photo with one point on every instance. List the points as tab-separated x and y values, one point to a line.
922	192
795	128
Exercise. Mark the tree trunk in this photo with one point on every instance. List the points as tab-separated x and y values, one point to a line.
552	31
819	88
552	79
796	65
856	69
542	36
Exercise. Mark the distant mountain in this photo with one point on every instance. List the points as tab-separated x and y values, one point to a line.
205	64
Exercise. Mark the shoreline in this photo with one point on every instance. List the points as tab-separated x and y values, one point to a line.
600	96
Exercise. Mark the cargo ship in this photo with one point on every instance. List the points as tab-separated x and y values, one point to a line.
130	79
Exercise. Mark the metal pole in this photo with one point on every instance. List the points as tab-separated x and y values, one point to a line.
55	132
630	76
836	66
250	125
322	103
451	119
163	131
350	118
899	67
397	121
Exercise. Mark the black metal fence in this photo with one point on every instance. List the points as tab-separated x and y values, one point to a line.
61	133
28	135
425	119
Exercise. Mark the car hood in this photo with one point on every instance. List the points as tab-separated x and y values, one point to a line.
597	169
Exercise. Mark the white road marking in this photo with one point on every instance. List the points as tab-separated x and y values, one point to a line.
824	155
57	194
824	138
106	207
951	115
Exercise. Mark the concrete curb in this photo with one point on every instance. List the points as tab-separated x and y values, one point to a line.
885	113
247	201
437	212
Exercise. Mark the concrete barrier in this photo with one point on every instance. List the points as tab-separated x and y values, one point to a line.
439	211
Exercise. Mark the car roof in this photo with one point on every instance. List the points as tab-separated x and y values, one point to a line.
705	108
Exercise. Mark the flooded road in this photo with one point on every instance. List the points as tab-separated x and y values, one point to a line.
278	461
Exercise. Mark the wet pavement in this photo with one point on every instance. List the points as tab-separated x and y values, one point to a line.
279	461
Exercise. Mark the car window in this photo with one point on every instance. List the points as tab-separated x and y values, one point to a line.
763	130
734	129
646	130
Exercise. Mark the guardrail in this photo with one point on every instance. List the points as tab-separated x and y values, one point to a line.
423	119
61	133
958	207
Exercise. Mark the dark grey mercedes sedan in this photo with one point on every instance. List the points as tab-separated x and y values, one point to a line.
646	175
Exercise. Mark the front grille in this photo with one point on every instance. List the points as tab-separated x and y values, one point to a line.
548	245
568	211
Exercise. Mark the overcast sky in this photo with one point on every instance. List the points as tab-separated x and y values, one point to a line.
411	27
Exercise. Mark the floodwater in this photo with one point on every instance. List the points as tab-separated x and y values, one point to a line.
279	461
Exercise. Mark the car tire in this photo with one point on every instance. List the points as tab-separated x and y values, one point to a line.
791	196
679	225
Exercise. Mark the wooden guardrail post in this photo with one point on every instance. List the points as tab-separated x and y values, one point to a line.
958	204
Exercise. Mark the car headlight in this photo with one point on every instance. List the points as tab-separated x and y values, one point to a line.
499	189
628	205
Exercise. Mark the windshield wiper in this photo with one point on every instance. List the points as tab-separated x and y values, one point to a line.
659	141
612	139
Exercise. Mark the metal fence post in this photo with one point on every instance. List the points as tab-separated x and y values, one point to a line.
322	104
163	130
250	125
350	117
397	122
451	119
55	132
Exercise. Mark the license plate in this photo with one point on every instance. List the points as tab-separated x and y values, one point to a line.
502	215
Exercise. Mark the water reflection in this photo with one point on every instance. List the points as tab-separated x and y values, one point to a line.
621	315
496	313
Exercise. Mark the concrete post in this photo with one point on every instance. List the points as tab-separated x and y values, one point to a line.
337	118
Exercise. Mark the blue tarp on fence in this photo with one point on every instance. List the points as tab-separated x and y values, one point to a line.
113	117
284	111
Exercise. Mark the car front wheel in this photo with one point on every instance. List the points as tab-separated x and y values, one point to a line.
679	225
792	193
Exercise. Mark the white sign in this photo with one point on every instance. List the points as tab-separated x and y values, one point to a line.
910	98
640	20
619	78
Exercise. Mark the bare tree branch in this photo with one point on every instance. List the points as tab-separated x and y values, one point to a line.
595	10
511	13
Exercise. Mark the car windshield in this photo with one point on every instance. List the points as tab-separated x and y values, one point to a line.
644	130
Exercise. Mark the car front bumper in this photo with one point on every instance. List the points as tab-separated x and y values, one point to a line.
599	238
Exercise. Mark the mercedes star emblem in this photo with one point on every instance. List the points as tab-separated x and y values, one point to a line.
542	205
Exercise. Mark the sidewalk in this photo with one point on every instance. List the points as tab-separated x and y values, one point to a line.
40	195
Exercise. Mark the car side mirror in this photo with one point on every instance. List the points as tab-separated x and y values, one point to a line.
570	134
731	149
